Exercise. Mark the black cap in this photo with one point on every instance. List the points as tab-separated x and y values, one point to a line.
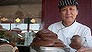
64	3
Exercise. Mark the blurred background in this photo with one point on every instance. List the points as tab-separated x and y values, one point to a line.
21	19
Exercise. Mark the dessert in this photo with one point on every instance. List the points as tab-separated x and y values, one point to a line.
46	38
76	42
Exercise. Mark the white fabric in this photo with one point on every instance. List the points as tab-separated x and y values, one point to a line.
66	33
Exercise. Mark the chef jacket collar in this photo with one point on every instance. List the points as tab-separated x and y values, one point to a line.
62	26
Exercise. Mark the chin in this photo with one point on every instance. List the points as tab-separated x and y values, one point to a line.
70	21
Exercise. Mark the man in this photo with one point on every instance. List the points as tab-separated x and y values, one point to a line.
68	27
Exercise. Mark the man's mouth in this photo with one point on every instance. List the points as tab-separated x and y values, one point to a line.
68	17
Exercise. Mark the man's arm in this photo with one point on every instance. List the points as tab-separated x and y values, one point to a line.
88	37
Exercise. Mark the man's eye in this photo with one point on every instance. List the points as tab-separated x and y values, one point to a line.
72	9
63	9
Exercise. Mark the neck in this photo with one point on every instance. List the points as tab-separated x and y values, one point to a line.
66	24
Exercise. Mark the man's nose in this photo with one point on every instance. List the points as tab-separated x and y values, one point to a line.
68	12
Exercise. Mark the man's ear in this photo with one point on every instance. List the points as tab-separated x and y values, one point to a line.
77	12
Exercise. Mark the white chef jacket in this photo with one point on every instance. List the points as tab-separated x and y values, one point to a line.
66	33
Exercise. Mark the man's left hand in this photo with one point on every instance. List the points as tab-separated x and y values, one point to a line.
85	49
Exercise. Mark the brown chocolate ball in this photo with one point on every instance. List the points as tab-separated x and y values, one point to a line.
46	38
76	42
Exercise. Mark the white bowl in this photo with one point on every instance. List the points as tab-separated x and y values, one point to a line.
50	49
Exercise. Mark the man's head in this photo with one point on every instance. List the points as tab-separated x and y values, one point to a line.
68	10
64	3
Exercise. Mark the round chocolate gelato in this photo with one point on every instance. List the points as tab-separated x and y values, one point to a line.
46	38
76	42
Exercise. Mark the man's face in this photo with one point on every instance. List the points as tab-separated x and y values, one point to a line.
69	13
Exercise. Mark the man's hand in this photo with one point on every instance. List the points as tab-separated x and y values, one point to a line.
85	49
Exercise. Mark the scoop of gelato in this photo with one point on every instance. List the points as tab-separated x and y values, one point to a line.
46	38
76	42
